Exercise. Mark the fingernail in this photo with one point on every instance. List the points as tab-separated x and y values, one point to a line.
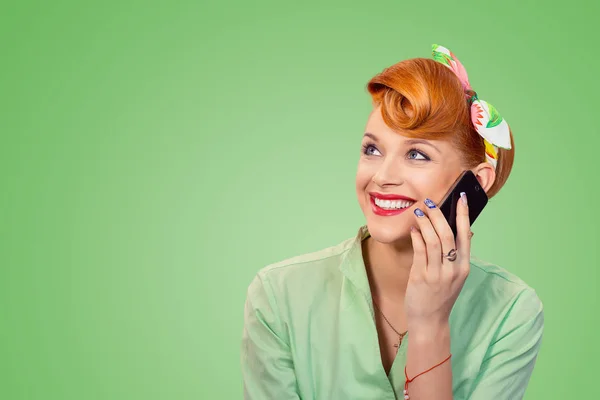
429	203
419	213
463	197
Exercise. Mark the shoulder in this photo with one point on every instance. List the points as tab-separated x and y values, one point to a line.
321	261
491	276
485	270
304	272
500	291
495	309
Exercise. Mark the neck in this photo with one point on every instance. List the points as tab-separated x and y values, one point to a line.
388	267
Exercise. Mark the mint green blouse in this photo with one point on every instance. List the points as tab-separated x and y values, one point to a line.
309	332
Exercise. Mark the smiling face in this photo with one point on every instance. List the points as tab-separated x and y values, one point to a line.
392	166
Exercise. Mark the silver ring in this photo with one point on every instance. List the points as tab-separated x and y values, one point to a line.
451	256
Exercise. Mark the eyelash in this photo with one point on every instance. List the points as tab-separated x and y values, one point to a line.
366	146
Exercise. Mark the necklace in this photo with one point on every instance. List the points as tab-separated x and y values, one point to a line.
400	335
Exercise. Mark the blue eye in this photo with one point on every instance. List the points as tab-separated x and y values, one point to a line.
366	147
413	154
417	153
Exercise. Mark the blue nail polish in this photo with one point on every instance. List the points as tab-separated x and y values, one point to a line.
419	213
429	203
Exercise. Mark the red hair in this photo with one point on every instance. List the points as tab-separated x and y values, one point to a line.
424	99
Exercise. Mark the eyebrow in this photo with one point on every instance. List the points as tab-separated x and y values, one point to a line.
407	141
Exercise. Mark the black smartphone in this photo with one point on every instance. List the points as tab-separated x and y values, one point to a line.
476	197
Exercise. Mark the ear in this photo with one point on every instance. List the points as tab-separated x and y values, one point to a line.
486	175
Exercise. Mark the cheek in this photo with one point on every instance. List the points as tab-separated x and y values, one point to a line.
433	186
423	179
363	176
426	184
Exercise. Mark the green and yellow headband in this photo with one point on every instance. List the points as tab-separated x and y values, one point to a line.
485	118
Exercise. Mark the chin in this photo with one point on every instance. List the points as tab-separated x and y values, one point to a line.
388	232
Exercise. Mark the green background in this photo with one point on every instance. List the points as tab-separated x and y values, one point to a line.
156	155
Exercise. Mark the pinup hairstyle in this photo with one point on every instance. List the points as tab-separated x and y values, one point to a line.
424	99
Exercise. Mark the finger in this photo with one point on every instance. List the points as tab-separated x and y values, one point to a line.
432	243
419	263
463	227
441	226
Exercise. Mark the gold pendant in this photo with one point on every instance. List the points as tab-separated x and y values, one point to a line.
400	337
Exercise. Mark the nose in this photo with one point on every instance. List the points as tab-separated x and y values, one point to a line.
389	173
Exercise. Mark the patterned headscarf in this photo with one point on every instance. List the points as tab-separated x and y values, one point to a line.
486	120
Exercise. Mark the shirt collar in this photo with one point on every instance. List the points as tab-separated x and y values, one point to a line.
353	264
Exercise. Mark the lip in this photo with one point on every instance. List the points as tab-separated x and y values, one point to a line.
387	213
390	196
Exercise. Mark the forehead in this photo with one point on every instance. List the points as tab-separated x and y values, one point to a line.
377	127
376	124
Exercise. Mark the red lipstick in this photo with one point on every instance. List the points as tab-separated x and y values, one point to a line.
386	213
390	196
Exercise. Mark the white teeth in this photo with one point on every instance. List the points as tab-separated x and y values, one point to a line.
393	204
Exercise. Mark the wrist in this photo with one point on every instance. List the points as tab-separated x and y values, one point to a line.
429	331
428	344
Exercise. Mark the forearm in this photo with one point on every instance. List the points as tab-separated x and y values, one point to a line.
427	347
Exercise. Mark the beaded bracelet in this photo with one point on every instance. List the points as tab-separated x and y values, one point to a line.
410	380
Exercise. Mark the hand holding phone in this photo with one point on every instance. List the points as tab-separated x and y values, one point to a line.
437	277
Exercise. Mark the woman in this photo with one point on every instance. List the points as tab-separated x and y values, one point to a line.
402	310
